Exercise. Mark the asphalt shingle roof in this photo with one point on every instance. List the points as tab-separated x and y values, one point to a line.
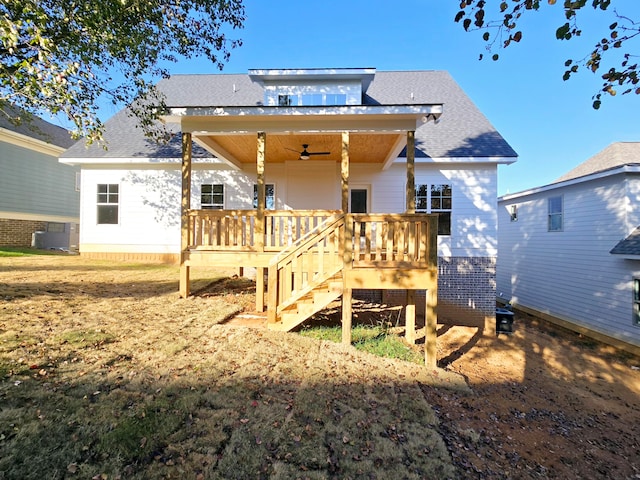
615	155
35	127
628	246
463	131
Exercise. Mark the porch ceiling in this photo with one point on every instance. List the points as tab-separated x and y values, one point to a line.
363	147
377	133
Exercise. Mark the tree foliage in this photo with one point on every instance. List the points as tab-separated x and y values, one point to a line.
66	56
504	31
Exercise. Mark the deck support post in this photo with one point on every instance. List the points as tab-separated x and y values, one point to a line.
410	318
185	206
347	297
430	328
259	226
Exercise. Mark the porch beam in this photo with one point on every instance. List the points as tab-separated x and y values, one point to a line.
185	206
259	226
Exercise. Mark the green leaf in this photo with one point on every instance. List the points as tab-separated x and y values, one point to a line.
495	57
563	31
486	36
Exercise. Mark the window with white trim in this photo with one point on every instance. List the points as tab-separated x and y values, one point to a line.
436	198
555	214
108	201
212	196
513	213
270	196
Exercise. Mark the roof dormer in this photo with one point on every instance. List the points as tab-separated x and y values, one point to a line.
313	87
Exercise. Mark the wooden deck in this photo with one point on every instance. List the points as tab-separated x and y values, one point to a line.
313	257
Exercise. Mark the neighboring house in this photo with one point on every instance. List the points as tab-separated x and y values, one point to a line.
571	249
275	146
39	196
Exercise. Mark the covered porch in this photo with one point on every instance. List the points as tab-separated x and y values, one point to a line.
305	259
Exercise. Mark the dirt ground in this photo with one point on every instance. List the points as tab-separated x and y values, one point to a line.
544	402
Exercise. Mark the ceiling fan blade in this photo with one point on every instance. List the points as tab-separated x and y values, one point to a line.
318	153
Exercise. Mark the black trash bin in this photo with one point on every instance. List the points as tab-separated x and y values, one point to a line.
504	321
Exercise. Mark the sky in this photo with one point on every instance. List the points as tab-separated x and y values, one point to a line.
549	122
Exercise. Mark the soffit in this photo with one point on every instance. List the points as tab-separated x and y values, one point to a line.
363	148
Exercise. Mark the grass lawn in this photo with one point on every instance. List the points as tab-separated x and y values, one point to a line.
106	373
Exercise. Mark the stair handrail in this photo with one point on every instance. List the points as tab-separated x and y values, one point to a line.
305	242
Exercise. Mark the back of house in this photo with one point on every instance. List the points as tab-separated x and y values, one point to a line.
131	192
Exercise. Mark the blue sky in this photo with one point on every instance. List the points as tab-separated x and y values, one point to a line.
548	121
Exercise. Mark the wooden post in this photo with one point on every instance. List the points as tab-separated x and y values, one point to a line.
347	297
185	206
411	177
344	168
410	318
259	227
347	244
430	328
410	311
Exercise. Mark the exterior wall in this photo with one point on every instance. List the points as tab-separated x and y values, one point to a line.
33	183
570	274
34	189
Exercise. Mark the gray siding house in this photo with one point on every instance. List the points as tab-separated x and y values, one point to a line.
571	251
39	196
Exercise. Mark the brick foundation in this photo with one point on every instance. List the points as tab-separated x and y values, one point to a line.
18	233
466	292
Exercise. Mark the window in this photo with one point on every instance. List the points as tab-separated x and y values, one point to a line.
306	99
555	214
335	99
108	198
287	100
312	99
636	302
436	199
513	213
212	196
270	196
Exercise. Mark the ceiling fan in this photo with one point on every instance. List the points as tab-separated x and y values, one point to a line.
305	154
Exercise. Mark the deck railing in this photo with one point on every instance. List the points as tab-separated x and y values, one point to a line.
392	240
235	229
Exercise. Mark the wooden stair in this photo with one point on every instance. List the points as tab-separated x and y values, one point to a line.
310	303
